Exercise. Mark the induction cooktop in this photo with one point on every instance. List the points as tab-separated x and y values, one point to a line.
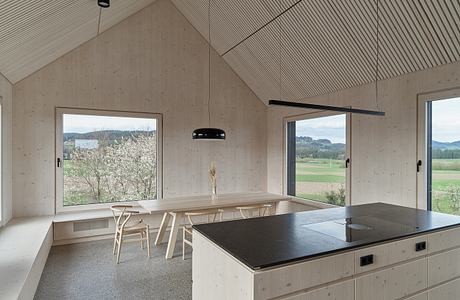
360	228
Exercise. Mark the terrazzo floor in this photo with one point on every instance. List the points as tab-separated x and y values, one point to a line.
88	271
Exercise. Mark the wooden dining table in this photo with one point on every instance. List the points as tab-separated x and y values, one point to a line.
174	208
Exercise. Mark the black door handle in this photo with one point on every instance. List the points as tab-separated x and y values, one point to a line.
419	164
347	162
58	162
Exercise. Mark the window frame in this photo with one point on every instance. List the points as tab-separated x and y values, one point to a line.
422	201
348	154
59	147
2	217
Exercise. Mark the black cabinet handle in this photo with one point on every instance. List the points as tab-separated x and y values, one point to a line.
366	260
420	246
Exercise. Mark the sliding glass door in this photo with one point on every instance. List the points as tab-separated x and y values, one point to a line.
317	159
439	153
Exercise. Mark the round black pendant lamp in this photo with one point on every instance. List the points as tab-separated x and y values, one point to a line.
103	3
209	133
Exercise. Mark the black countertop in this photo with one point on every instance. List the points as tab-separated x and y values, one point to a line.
275	240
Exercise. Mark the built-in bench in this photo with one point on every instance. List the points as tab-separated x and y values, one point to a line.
24	247
25	242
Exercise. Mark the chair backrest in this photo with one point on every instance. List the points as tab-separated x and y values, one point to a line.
211	216
262	210
122	214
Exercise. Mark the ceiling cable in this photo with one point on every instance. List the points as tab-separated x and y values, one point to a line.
377	57
209	63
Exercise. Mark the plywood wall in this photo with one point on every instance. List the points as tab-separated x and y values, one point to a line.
6	94
383	149
154	61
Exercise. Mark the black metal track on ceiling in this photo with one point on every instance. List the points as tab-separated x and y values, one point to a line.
262	27
327	107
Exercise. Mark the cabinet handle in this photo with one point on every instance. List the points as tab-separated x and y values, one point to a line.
366	260
420	246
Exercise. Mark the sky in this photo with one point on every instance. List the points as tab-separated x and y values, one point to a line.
446	120
89	123
331	128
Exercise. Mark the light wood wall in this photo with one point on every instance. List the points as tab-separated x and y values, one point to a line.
383	150
154	61
6	94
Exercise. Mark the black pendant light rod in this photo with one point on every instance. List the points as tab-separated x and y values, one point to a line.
326	107
263	26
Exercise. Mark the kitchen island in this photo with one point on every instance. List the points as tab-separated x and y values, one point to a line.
371	251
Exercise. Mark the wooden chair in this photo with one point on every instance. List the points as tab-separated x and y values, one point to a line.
122	215
261	210
211	217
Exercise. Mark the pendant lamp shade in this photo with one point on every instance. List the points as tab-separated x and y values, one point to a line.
214	134
103	3
209	133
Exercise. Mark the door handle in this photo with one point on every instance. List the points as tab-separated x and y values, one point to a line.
58	162
347	162
419	164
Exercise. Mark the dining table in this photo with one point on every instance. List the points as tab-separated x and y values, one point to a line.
173	209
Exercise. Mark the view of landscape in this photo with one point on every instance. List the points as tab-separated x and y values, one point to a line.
320	159
445	192
109	159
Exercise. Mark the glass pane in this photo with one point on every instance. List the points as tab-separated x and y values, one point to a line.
109	159
320	159
445	156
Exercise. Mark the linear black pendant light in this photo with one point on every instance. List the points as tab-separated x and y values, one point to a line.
209	133
328	107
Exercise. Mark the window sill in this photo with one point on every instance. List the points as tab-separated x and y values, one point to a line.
312	203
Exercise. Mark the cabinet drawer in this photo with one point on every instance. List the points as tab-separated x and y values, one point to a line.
393	283
292	278
448	291
340	291
390	253
443	240
443	267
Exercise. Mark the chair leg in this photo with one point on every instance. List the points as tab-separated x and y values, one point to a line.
120	241
183	243
142	239
147	233
115	242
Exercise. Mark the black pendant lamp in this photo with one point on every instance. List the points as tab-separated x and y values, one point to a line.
209	133
103	3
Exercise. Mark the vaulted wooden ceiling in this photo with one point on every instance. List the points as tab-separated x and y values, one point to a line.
33	33
326	45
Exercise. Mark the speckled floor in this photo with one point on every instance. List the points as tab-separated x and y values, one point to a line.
88	271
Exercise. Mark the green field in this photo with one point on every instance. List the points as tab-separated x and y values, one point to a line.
316	177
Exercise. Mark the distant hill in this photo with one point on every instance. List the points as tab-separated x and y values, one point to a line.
320	148
447	145
110	135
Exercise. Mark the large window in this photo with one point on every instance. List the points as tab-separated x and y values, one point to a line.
105	157
439	147
317	159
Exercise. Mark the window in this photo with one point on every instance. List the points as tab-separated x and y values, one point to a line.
317	159
105	157
439	152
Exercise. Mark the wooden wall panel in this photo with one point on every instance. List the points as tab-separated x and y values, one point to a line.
6	96
154	61
383	148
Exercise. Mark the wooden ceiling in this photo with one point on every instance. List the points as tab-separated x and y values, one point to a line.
326	45
34	33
